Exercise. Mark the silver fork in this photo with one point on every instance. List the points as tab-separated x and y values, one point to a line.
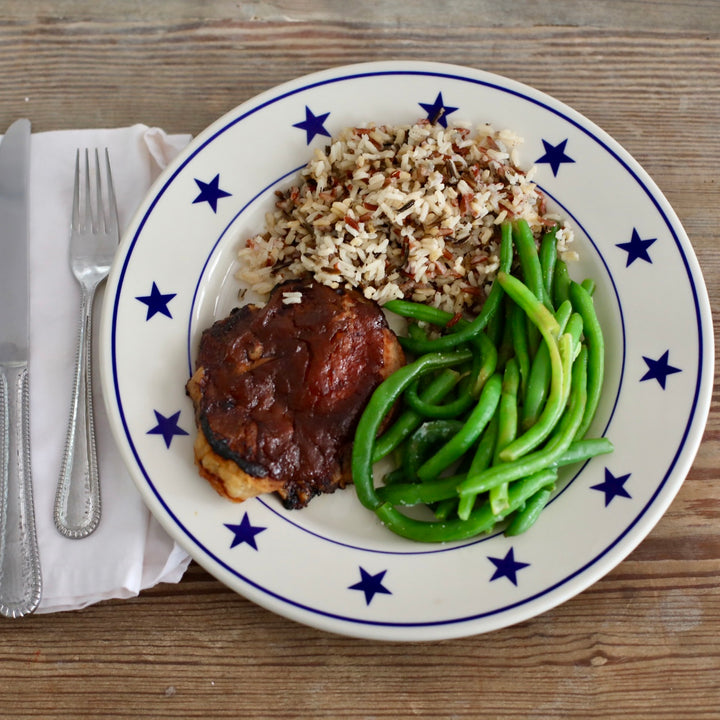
94	236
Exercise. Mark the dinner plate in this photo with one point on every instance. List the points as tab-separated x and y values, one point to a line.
333	565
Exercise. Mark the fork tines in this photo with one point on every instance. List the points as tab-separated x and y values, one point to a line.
103	213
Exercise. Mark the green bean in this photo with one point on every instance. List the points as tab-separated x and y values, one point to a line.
548	258
447	410
507	429
481	520
409	420
556	446
445	508
433	410
589	285
482	458
548	327
529	259
489	355
505	346
414	493
428	436
561	282
394	476
583	304
527	253
537	387
574	329
462	332
421	312
563	313
533	436
470	378
416	332
539	378
581	450
471	429
380	403
518	330
507	409
530	303
485	449
527	516
495	328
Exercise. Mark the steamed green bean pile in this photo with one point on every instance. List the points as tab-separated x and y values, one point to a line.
490	408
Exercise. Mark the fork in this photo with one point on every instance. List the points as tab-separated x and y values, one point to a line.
94	237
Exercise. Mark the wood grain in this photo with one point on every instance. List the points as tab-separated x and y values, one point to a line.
644	641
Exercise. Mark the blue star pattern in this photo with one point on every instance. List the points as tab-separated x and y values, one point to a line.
167	427
554	156
371	585
156	302
313	125
245	532
659	369
636	248
438	111
507	567
210	192
613	486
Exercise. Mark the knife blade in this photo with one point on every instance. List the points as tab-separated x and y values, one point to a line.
20	579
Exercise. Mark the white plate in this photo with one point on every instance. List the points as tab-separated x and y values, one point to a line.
332	565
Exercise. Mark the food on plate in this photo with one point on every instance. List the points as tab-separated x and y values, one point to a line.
440	226
494	405
278	390
406	211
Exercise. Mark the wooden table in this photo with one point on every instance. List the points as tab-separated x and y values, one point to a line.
643	642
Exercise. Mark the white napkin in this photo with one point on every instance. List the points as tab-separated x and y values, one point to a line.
129	551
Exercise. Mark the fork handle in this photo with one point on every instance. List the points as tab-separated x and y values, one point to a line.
20	579
77	500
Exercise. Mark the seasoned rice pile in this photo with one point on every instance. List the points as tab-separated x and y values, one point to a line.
412	211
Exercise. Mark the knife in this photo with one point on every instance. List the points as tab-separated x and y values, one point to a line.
20	580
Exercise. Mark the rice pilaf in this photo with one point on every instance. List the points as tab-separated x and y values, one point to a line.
409	211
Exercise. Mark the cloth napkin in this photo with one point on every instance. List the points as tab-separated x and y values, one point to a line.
129	551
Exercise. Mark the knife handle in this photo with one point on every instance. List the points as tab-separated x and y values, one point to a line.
77	501
20	579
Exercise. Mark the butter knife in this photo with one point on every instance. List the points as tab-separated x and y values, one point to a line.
20	579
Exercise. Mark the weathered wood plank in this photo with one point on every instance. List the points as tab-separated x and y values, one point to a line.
640	643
